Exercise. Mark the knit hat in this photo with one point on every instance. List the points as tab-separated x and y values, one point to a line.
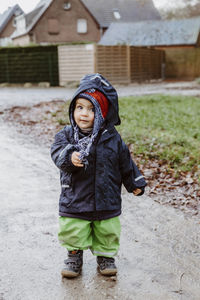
96	96
101	104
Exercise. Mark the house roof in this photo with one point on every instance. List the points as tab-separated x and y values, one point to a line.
129	10
153	33
32	17
8	14
102	11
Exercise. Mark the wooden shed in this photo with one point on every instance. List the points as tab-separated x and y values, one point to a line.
180	39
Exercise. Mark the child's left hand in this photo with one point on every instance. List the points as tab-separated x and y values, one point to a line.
137	192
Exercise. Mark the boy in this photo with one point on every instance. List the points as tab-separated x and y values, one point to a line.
93	162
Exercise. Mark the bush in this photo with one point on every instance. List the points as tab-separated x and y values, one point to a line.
29	64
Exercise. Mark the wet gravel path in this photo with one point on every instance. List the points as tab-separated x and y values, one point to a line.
159	257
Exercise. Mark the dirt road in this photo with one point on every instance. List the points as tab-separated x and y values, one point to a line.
159	257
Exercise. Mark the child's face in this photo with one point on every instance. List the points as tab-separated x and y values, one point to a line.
84	113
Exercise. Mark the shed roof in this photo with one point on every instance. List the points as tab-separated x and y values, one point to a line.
153	33
8	14
102	11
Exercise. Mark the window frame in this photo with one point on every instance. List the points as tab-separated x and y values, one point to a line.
80	27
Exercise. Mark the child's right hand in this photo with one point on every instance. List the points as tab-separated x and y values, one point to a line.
75	159
137	191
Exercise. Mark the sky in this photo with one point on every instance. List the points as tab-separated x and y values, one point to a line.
30	4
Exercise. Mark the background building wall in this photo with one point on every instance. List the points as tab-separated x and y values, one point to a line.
67	24
21	40
182	63
9	29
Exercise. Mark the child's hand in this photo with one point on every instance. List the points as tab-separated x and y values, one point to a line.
75	159
137	192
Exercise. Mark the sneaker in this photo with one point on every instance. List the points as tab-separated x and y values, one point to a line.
73	264
106	265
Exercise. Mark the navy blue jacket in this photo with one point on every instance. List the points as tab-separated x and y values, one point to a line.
97	187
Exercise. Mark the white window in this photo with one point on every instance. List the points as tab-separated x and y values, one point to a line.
20	23
82	26
67	6
116	14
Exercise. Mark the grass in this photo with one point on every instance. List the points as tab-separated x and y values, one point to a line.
159	127
62	116
163	127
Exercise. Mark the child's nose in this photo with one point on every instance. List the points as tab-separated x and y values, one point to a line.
85	112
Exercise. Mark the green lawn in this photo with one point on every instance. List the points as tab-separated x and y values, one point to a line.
163	127
160	127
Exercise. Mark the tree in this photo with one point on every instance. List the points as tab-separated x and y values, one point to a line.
190	9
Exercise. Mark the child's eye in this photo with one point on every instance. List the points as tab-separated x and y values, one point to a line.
92	109
79	107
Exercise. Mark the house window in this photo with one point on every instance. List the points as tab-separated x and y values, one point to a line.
20	23
116	14
82	26
67	6
53	26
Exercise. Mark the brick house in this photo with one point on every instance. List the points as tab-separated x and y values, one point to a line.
7	24
61	21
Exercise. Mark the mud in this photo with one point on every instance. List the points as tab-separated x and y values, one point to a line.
159	257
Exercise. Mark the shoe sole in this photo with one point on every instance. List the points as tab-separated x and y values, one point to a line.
69	274
108	272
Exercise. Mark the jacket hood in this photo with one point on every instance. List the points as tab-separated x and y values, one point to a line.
98	82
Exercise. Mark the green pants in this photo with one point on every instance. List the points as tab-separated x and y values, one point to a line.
101	237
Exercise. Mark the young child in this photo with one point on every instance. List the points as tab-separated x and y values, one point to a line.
94	162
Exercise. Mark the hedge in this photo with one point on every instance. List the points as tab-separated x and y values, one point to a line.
29	64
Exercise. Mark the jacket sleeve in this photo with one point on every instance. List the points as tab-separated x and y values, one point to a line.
131	176
61	151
